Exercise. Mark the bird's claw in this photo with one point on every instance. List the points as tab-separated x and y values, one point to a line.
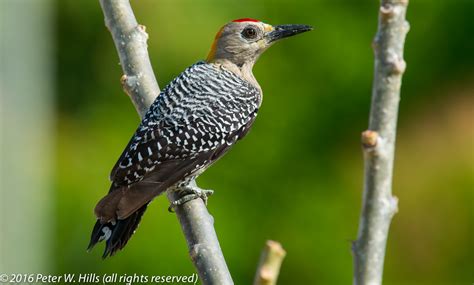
188	194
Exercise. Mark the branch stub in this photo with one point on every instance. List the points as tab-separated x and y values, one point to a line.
369	139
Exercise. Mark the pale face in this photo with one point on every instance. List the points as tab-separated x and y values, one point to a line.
243	41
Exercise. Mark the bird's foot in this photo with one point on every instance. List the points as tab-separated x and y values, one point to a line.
189	193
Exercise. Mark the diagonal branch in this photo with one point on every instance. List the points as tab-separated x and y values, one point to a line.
130	40
140	84
378	142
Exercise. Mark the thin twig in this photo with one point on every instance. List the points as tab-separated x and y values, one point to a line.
270	263
378	143
140	84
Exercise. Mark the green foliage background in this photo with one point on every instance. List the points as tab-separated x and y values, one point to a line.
297	177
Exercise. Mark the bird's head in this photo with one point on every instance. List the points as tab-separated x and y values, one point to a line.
242	41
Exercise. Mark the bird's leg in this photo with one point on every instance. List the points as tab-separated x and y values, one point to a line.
190	192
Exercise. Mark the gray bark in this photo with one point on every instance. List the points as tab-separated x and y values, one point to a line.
198	227
130	40
140	84
378	142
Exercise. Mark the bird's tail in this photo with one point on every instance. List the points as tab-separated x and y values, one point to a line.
116	234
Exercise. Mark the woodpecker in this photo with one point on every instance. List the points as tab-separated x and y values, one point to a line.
194	121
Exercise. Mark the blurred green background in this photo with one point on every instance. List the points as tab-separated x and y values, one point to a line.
297	177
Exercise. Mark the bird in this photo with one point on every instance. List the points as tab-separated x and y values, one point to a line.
193	122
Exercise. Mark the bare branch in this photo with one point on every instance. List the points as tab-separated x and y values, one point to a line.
198	227
140	84
378	142
270	263
130	40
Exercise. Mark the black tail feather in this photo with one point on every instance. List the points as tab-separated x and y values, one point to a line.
116	234
96	235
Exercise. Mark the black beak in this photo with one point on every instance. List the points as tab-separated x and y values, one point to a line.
284	31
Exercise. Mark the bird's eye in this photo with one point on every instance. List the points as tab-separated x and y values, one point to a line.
249	33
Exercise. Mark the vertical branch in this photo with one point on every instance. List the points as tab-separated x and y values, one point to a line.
378	143
140	84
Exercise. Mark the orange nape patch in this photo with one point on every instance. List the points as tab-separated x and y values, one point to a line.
246	20
212	52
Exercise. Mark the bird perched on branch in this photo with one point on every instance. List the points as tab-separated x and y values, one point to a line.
193	122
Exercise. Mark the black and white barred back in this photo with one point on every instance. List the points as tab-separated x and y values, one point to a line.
192	123
204	108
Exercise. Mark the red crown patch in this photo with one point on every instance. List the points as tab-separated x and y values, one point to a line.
246	20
